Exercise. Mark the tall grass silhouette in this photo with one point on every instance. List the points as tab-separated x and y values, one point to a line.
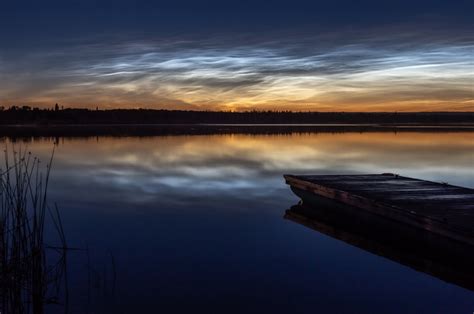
30	277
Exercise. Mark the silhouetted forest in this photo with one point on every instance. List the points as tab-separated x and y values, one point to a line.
55	116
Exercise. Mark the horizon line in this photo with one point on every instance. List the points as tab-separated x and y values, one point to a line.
52	108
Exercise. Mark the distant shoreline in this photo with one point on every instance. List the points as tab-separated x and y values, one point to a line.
26	121
85	130
27	115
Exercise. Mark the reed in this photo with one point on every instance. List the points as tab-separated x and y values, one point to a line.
29	277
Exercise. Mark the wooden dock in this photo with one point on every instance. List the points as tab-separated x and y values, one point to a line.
438	208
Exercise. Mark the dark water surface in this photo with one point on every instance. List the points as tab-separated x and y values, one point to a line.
195	223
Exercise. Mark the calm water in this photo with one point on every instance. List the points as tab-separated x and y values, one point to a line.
195	223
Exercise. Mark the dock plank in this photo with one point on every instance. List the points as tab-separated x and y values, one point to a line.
438	207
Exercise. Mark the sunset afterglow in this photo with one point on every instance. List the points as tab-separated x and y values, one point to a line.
347	77
236	156
422	63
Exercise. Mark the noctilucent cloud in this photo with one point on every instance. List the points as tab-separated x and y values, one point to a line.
239	55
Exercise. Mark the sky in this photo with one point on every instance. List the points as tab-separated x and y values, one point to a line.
297	55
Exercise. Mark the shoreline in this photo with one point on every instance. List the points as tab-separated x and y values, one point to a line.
27	130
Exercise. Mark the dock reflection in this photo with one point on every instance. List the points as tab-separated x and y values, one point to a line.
423	251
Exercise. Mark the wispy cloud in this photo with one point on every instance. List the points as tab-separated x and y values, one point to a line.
310	73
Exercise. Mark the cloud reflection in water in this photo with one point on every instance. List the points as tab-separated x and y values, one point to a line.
207	211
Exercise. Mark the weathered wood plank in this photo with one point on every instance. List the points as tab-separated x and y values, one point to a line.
438	207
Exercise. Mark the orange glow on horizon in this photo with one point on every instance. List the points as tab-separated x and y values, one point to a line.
236	106
351	79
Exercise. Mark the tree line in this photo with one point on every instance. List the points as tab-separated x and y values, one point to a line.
59	115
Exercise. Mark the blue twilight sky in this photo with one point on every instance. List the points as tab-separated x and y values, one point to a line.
238	55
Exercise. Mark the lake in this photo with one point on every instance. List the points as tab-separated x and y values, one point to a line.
195	223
